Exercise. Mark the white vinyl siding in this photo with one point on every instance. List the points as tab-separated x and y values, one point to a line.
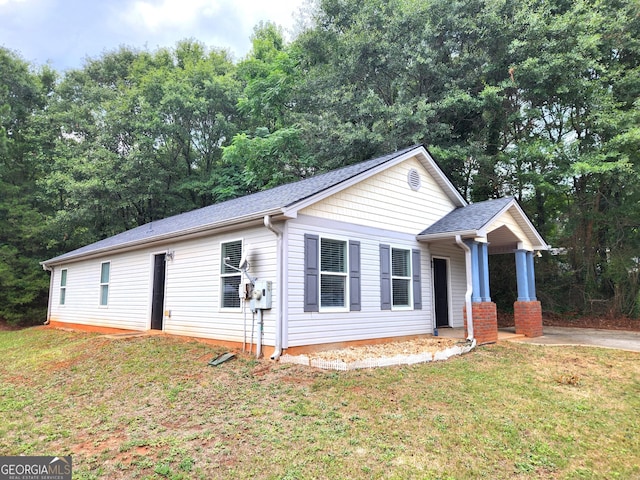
128	292
370	322
192	298
105	268
193	287
386	199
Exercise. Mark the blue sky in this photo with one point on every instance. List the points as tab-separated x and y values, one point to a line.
65	32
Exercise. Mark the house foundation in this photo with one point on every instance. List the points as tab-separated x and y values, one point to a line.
528	318
485	322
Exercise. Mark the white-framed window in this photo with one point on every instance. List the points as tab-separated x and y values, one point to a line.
63	286
230	277
401	289
105	274
333	274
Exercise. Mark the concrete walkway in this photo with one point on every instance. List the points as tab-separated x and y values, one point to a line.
589	337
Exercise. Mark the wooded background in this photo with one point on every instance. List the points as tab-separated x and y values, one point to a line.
538	99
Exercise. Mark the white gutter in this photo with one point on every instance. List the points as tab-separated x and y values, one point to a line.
279	276
432	237
468	293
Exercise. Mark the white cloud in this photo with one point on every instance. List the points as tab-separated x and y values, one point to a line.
64	32
7	2
170	13
155	16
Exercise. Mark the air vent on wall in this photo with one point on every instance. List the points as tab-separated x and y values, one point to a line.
413	179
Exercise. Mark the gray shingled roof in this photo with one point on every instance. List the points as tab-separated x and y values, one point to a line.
238	209
470	217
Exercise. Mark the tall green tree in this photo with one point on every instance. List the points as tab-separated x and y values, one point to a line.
140	138
23	93
271	149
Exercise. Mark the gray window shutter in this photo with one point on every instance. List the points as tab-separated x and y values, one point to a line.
385	277
354	276
417	288
311	273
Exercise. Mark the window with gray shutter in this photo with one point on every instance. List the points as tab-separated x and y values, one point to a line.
331	269
399	278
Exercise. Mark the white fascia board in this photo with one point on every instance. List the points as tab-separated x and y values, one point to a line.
535	238
542	245
433	237
181	234
441	179
483	230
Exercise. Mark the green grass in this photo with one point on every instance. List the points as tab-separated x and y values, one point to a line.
150	407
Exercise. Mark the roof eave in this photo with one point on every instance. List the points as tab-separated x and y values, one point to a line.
133	245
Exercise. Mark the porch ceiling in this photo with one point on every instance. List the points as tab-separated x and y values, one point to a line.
502	240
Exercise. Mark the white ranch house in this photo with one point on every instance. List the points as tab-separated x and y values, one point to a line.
380	250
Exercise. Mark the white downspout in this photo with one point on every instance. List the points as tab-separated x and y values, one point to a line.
279	276
52	270
469	292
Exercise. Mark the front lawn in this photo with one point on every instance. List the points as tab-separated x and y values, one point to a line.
150	407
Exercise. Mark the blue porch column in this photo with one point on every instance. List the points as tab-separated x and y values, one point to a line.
522	276
531	277
476	295
483	254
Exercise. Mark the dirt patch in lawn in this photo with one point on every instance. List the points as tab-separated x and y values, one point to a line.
6	327
419	350
391	349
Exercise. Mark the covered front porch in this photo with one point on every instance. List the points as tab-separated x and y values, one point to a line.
494	227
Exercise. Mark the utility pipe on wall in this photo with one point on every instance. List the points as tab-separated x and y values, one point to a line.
260	330
469	292
280	287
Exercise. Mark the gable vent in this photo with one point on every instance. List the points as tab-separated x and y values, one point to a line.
413	179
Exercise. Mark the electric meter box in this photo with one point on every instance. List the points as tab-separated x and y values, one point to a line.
262	294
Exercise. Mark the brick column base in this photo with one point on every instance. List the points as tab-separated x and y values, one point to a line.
485	322
528	318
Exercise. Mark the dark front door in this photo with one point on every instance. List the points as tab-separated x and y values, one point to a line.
157	300
441	291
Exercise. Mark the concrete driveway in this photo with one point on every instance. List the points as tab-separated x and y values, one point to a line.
591	337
